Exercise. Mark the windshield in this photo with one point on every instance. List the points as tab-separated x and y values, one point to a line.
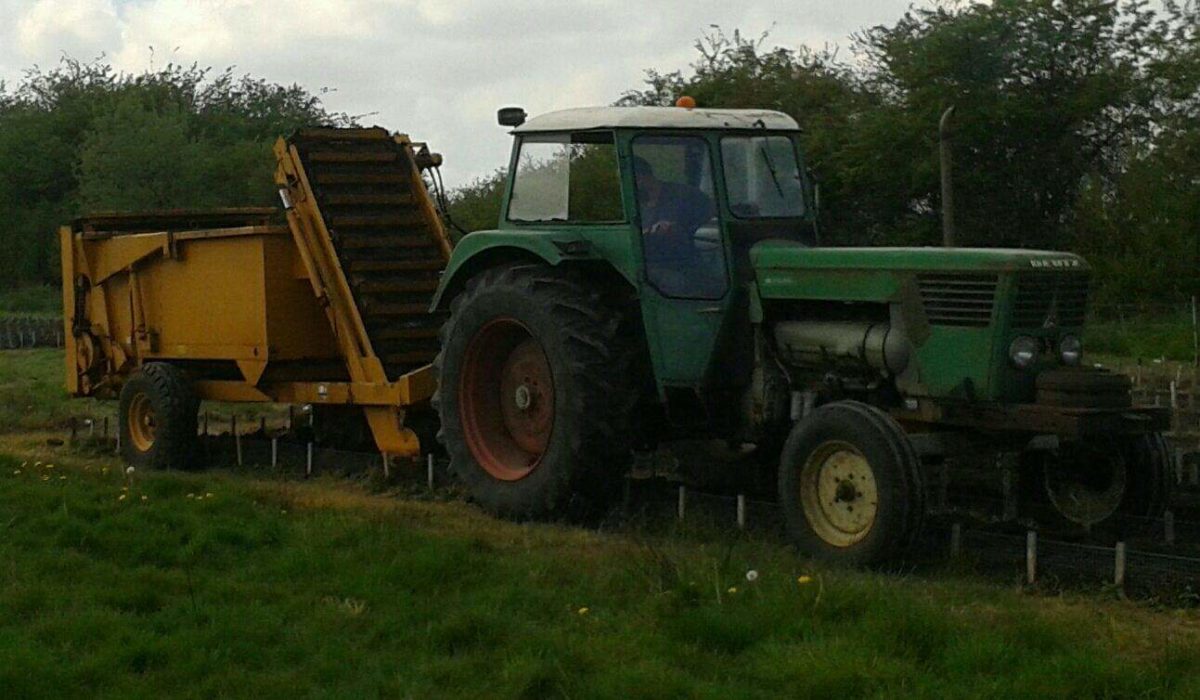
762	177
567	178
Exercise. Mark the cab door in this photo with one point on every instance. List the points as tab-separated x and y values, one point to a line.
685	294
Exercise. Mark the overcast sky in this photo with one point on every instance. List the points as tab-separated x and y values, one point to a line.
436	69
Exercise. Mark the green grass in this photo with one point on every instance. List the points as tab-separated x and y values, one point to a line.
1143	337
268	589
35	300
149	586
33	394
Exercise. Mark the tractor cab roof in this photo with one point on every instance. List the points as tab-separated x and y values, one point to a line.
585	118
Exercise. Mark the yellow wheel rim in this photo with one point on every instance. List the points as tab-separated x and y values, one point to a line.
142	423
838	493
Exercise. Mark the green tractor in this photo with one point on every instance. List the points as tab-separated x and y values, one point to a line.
657	274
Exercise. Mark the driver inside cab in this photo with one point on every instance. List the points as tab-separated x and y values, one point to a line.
671	214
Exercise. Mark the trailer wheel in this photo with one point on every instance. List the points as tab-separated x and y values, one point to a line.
534	393
1094	484
158	418
850	485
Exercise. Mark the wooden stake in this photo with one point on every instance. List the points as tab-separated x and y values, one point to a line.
741	511
237	438
308	466
274	452
1169	526
1031	557
955	540
1119	565
387	472
429	471
682	501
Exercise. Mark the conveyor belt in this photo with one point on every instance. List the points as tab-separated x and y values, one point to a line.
389	244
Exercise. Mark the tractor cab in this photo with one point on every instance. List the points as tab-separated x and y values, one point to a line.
674	198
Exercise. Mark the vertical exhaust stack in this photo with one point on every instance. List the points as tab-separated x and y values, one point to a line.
945	137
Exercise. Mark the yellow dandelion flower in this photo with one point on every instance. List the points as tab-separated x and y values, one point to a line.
144	497
803	580
208	495
24	464
732	589
45	478
49	466
37	464
121	497
583	611
191	495
62	478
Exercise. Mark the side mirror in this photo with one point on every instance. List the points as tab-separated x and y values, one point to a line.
510	116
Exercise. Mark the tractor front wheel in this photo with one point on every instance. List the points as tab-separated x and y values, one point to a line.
158	418
534	393
850	485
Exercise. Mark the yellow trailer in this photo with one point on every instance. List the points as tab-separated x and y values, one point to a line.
326	303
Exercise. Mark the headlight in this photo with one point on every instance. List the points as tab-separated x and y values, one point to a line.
1070	350
1023	351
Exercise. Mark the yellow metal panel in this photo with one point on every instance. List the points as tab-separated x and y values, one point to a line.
210	303
67	255
297	328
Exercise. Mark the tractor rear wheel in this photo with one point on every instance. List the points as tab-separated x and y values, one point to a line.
534	393
850	485
157	417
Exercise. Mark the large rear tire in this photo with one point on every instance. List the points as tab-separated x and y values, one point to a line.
850	486
157	417
535	393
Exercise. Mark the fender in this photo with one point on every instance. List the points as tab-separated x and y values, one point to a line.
482	249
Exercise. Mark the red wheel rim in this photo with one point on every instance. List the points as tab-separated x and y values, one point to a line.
506	397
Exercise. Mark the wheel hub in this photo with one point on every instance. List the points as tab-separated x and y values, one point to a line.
838	493
506	397
143	423
1088	489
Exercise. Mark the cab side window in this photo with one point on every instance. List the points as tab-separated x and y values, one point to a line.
677	213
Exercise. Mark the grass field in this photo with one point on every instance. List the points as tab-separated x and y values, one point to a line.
236	583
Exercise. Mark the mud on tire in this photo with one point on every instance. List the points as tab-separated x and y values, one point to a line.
535	393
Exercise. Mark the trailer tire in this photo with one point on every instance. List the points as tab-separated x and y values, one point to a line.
848	455
535	393
157	418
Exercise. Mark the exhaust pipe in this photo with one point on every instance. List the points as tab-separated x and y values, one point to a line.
944	139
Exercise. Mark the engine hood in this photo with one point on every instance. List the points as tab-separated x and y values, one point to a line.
790	255
790	270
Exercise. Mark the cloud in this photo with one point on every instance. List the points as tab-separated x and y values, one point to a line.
48	26
436	69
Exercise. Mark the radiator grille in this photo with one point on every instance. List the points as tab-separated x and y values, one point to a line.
958	299
1050	299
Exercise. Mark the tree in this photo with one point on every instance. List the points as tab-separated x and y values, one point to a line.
84	137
